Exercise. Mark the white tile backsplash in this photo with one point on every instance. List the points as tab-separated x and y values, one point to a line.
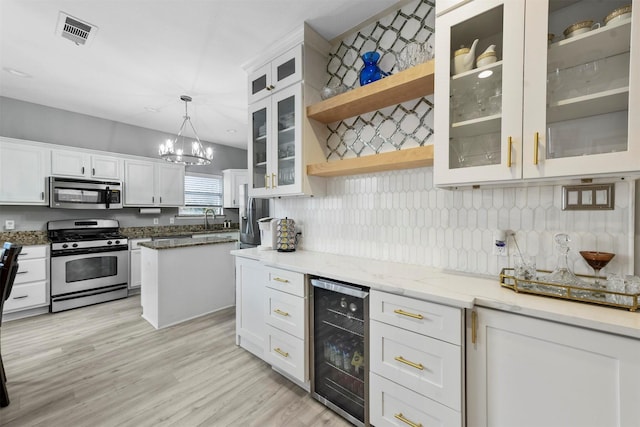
399	216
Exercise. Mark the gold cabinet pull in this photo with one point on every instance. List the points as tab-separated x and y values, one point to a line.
280	312
406	421
406	313
266	181
283	353
280	279
410	363
273	182
536	138
474	326
509	149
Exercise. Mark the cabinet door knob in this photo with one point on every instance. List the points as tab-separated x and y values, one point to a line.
93	171
509	149
82	171
536	138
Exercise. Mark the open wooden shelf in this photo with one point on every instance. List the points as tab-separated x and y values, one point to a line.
393	160
411	83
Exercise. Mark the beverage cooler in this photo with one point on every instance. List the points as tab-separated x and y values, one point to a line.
340	359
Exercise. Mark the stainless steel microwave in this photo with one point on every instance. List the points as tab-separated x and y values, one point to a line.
69	193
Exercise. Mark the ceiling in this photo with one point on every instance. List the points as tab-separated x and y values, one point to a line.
146	53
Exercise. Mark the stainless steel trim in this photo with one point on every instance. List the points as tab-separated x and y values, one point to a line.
68	224
88	298
339	287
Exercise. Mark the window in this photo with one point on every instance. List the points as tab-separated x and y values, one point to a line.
201	191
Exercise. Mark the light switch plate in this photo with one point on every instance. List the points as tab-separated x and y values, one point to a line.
588	197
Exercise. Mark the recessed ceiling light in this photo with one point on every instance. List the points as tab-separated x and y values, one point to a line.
17	72
152	109
484	74
232	130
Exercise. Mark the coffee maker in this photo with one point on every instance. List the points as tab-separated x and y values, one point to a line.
267	233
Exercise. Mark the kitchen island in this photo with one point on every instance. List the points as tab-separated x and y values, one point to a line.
186	278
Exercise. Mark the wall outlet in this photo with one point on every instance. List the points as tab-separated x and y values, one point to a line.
9	224
500	243
155	221
172	220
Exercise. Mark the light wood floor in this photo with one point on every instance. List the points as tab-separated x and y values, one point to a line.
105	366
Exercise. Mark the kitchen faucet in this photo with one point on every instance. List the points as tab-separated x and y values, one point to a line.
206	212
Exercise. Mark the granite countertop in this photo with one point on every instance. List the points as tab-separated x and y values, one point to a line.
25	238
172	230
184	242
450	288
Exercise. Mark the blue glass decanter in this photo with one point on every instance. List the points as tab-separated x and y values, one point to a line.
370	72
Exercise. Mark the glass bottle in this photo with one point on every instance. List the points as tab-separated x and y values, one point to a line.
562	275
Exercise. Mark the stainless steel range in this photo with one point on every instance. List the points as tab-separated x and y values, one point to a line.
89	262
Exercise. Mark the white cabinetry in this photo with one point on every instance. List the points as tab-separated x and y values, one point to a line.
31	285
523	372
287	323
23	173
153	184
251	279
416	362
232	180
80	164
282	140
567	107
135	263
276	74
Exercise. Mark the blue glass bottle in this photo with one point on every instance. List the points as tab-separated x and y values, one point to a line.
370	72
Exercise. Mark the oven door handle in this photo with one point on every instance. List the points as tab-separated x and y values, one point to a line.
83	251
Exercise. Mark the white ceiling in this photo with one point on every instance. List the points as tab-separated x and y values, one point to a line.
146	53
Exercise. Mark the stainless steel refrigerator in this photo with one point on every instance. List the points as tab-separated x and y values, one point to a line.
251	210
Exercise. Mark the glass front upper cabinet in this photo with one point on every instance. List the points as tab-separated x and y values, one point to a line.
579	123
553	101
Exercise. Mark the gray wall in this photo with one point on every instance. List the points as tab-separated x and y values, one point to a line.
34	122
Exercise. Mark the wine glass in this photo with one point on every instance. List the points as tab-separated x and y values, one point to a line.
597	261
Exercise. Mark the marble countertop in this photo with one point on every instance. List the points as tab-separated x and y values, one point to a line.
450	288
184	242
25	238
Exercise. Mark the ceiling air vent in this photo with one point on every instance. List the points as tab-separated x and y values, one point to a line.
79	32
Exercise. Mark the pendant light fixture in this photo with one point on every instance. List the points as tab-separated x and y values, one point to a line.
182	151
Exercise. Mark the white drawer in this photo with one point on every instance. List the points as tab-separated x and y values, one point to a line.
31	270
287	353
425	365
393	405
286	312
286	281
25	296
31	252
426	318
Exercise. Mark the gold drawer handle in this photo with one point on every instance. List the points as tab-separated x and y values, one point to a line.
406	421
281	280
410	363
283	353
406	313
280	312
536	144
509	150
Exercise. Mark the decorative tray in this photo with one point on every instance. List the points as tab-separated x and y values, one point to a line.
569	292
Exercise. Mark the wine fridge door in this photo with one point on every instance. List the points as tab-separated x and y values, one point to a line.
340	353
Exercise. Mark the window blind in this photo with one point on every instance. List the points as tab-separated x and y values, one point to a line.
202	190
